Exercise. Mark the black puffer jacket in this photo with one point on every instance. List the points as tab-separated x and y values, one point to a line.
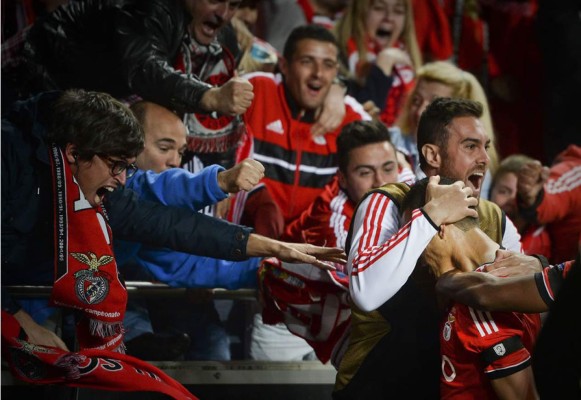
121	47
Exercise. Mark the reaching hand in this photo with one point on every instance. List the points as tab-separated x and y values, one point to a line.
38	334
446	204
232	98
531	178
261	246
308	253
332	112
508	263
243	176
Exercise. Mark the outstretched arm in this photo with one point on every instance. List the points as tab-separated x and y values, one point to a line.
488	292
38	334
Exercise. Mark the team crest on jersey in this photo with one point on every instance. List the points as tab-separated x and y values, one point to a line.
92	285
499	349
448	327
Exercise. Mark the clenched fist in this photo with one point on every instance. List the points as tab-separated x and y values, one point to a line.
446	204
232	98
243	176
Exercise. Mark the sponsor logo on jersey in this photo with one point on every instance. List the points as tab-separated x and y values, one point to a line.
276	127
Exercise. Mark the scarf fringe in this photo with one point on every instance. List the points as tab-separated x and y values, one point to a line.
199	144
70	363
104	329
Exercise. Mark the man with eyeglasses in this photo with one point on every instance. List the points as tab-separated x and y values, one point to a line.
65	160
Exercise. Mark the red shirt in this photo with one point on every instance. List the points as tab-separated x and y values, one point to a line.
467	334
297	165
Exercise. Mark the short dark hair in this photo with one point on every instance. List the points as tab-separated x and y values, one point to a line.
96	123
435	120
416	198
357	134
312	31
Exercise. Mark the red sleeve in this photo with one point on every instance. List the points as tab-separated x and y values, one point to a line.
496	338
312	226
562	194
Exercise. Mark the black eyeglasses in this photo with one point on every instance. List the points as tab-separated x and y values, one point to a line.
118	166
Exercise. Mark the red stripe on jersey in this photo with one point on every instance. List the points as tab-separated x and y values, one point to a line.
377	203
367	258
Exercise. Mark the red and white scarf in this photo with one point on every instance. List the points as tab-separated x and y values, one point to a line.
311	302
90	368
86	276
86	280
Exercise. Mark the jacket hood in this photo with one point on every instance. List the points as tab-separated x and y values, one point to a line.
573	152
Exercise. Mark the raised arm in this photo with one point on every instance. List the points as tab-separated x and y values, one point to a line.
382	255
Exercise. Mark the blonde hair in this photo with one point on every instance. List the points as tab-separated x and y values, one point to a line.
352	25
464	85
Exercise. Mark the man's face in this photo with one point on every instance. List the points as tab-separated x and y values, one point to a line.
209	16
424	93
96	179
310	72
165	140
503	193
385	21
465	156
370	166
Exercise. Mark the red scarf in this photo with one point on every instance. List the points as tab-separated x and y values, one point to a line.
99	369
86	277
312	303
213	64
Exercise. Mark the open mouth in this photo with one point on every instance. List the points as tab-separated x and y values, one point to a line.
211	27
314	88
104	190
475	180
383	33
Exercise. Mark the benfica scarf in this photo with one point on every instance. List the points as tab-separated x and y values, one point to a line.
90	368
312	303
213	64
86	277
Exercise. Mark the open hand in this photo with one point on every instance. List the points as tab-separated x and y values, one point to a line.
508	263
321	257
531	178
38	334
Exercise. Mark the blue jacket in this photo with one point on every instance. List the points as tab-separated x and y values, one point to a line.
178	187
